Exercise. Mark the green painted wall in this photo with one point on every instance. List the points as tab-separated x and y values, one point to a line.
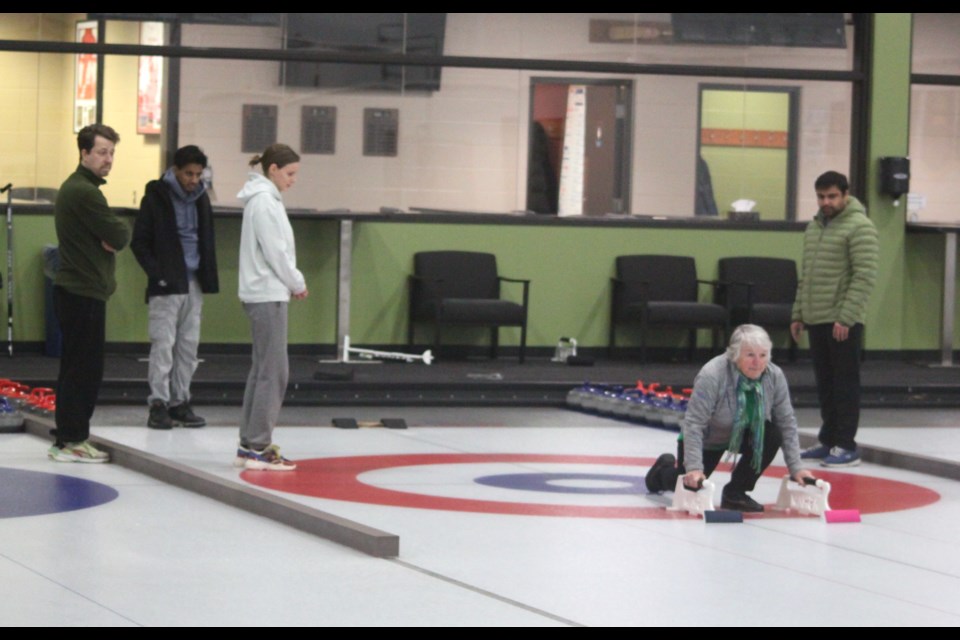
312	320
570	269
919	310
890	322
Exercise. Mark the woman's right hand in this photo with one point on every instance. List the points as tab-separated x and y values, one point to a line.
694	479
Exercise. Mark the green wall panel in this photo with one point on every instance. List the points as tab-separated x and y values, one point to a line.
890	322
570	269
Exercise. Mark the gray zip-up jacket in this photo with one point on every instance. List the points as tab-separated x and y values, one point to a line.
708	422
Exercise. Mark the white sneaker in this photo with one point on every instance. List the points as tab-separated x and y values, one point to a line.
267	460
77	452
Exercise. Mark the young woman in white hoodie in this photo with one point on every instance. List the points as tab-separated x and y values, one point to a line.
268	279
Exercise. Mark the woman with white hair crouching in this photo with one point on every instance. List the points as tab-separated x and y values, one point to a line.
740	405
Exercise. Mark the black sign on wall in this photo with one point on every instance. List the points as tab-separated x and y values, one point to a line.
259	127
318	130
381	130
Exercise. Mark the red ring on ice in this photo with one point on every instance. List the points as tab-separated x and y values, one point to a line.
337	479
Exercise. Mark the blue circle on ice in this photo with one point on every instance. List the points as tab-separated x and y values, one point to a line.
590	483
34	493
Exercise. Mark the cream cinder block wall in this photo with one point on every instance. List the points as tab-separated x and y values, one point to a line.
457	147
137	159
36	115
935	151
464	147
56	145
35	111
19	119
935	118
936	47
565	36
825	109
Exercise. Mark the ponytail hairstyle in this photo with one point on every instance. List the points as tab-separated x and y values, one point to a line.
278	154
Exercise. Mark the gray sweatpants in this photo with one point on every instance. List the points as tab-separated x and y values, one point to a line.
174	338
267	382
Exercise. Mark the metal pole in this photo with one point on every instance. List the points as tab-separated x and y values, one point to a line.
949	298
9	190
344	283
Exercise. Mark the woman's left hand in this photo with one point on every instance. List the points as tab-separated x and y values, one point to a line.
800	475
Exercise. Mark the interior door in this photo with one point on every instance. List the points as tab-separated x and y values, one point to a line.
579	147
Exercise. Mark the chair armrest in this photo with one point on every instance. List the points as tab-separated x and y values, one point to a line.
714	283
736	283
526	287
749	286
416	278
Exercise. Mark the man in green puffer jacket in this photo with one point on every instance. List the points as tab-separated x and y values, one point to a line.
840	256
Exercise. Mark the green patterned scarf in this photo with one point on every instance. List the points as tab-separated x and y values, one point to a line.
750	417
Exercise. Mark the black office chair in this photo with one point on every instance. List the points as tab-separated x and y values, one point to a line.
463	288
661	291
759	291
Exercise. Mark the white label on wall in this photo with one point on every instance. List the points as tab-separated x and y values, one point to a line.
571	165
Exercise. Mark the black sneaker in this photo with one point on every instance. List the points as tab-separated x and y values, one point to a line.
653	479
184	416
739	501
159	418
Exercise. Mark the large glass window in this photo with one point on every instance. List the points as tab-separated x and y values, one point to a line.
935	119
452	138
37	106
936	43
769	40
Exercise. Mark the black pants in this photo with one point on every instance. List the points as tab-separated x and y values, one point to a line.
83	326
744	477
836	366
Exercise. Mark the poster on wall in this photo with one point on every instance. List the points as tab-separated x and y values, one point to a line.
85	86
150	81
571	162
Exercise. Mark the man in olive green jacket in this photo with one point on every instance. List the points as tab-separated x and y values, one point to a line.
89	234
840	256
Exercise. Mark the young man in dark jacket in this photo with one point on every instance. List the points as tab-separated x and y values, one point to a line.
173	241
